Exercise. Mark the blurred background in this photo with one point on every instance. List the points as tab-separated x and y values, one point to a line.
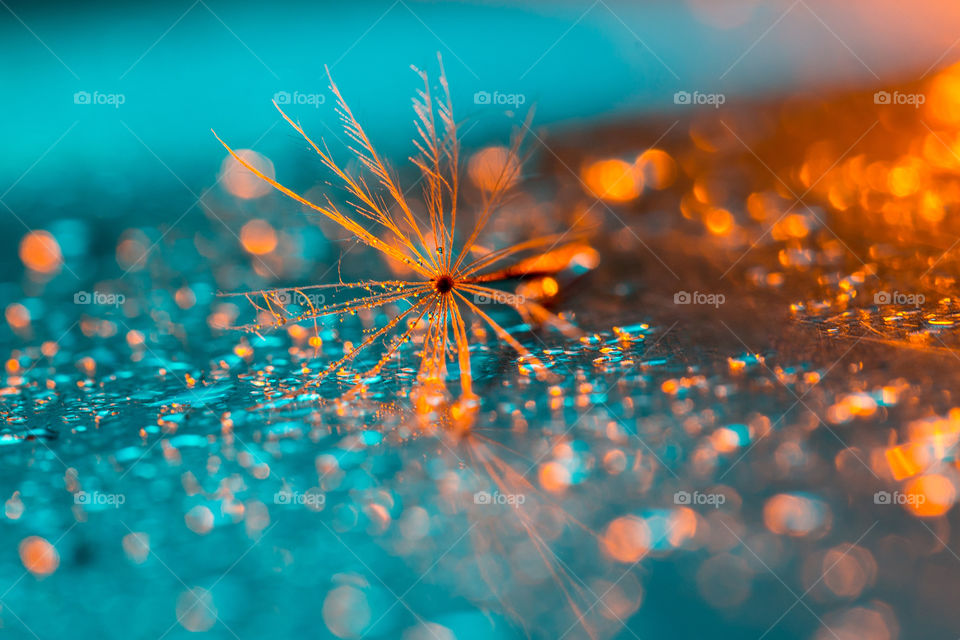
170	72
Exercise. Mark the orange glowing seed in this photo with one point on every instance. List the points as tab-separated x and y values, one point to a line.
38	556
258	237
40	252
452	270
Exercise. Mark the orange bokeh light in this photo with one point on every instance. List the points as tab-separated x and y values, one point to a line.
40	252
258	237
493	168
658	168
39	557
626	539
930	495
239	181
613	179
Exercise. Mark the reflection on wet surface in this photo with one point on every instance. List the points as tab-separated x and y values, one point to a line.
755	433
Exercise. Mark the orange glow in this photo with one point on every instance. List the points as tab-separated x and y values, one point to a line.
137	547
554	477
848	569
903	181
930	495
40	252
658	169
132	251
239	181
725	440
614	180
493	168
199	520
943	100
683	526
719	221
185	297
792	515
196	611
464	271
931	207
550	287
13	508
258	237
627	539
18	316
38	556
908	459
87	365
795	226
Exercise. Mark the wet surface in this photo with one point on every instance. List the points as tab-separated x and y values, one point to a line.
754	436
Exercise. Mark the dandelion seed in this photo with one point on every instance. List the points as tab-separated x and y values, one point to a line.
452	272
